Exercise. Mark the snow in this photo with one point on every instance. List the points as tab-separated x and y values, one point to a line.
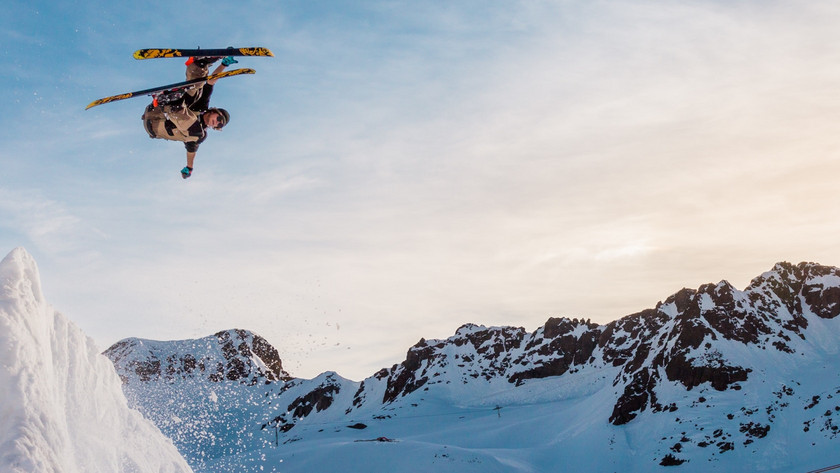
61	404
62	407
554	424
771	422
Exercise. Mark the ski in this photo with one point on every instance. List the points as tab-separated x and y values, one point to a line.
159	53
177	85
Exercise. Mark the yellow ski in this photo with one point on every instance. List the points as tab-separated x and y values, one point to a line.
177	85
162	53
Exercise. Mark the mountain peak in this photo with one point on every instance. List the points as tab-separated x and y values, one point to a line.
19	277
230	355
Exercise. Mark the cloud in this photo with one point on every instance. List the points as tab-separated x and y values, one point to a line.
47	223
402	168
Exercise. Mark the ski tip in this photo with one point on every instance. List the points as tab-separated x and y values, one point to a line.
92	104
154	53
257	51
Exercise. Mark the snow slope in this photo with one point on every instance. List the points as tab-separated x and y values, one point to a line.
713	379
61	404
213	396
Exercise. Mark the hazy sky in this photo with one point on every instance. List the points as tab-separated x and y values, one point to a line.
402	168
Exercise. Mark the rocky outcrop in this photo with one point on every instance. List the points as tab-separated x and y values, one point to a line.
318	399
560	344
232	355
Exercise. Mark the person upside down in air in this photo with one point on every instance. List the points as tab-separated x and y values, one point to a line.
185	114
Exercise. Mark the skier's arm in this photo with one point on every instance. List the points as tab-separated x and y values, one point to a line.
192	149
221	67
218	69
187	171
203	103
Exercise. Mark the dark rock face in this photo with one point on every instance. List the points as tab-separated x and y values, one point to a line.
269	355
720	377
671	460
627	339
564	343
319	399
489	356
638	394
406	380
238	346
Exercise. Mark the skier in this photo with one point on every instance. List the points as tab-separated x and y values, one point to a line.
185	114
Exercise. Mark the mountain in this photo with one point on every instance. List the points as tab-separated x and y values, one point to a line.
208	395
712	379
62	405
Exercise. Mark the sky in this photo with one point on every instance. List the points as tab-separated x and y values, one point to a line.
400	168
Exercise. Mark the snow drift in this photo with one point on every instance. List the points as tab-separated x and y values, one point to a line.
61	404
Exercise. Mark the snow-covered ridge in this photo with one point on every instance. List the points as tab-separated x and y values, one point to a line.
61	404
686	339
235	355
748	367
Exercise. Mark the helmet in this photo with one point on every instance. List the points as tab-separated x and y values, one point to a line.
225	116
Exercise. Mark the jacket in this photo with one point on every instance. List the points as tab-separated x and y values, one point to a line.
175	122
181	120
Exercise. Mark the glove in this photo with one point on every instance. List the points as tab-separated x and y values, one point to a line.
186	172
228	61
